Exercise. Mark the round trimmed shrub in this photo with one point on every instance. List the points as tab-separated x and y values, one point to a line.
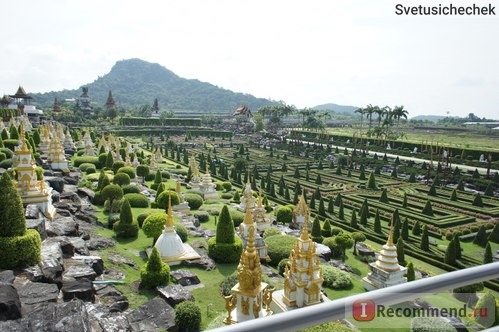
279	247
284	215
149	177
23	250
83	167
227	195
153	224
271	231
112	192
10	143
77	161
141	217
195	201
121	179
2	156
237	217
137	200
335	278
162	199
203	216
154	273
188	317
182	232
127	170
112	219
225	252
335	249
117	165
91	170
192	191
130	189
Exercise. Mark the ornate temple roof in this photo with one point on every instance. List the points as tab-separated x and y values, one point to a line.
20	93
302	208
242	110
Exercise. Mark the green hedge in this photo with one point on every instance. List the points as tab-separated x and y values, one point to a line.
203	216
130	189
335	278
188	317
127	170
137	200
21	250
279	247
225	252
77	161
121	179
7	163
8	152
195	201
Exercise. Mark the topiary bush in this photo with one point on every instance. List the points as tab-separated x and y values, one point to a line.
112	219
141	217
279	247
188	317
117	165
271	231
130	189
126	227
6	164
112	192
155	272
282	266
335	278
137	200
226	285
83	167
195	201
77	161
284	215
162	199
237	217
225	252
182	232
121	179
127	170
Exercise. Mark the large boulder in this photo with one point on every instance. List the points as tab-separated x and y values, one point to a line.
85	192
51	263
185	277
68	317
111	298
95	262
80	289
32	211
34	293
75	269
56	183
324	252
10	305
7	277
62	226
99	242
120	260
38	225
174	294
153	315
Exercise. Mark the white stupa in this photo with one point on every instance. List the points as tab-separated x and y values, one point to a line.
207	187
385	271
183	207
169	244
247	198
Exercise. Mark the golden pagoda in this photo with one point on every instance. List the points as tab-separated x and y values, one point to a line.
250	294
243	232
301	213
303	273
31	190
385	271
260	215
195	177
183	207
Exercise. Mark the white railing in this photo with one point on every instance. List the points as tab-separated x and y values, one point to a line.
334	310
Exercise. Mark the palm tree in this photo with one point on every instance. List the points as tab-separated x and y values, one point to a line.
369	110
361	111
399	112
324	116
305	112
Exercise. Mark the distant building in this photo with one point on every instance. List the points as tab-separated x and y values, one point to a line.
57	106
242	113
155	109
110	103
84	101
22	101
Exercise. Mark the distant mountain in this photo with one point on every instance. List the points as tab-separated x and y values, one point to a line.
433	118
336	108
135	82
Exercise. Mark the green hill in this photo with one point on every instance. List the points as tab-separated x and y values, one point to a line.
135	82
336	108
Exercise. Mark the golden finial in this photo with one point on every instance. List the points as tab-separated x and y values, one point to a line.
247	172
303	209
177	188
390	235
249	270
169	215
260	201
248	216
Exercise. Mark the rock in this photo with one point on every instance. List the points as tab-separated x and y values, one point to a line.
38	225
51	262
364	250
56	196
174	294
341	265
269	272
67	247
79	245
209	233
85	192
34	293
205	262
185	277
71	316
7	277
10	305
80	289
85	216
76	269
323	251
34	273
111	298
56	183
95	262
32	211
65	205
98	242
153	315
62	226
118	259
102	321
62	213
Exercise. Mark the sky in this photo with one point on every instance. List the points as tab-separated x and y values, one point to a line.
304	53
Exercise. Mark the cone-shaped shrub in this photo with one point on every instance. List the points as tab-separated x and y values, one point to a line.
489	191
460	185
416	229
432	191
362	175
377	222
330	206
384	196
322	209
103	180
400	251
427	210
316	232
425	241
353	219
494	235
457	245
411	275
405	229
225	227
18	246
487	256
126	227
341	212
326	229
109	160
477	201
412	178
453	196
338	199
450	254
404	202
481	237
155	272
371	182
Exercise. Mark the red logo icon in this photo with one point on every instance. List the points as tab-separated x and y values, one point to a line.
363	310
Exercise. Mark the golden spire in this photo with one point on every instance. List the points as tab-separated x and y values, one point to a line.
248	216
249	270
22	136
177	188
390	235
260	203
247	172
169	215
303	209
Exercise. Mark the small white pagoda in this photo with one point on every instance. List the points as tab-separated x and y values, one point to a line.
183	207
195	177
56	157
169	244
260	215
385	271
31	190
247	198
207	187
